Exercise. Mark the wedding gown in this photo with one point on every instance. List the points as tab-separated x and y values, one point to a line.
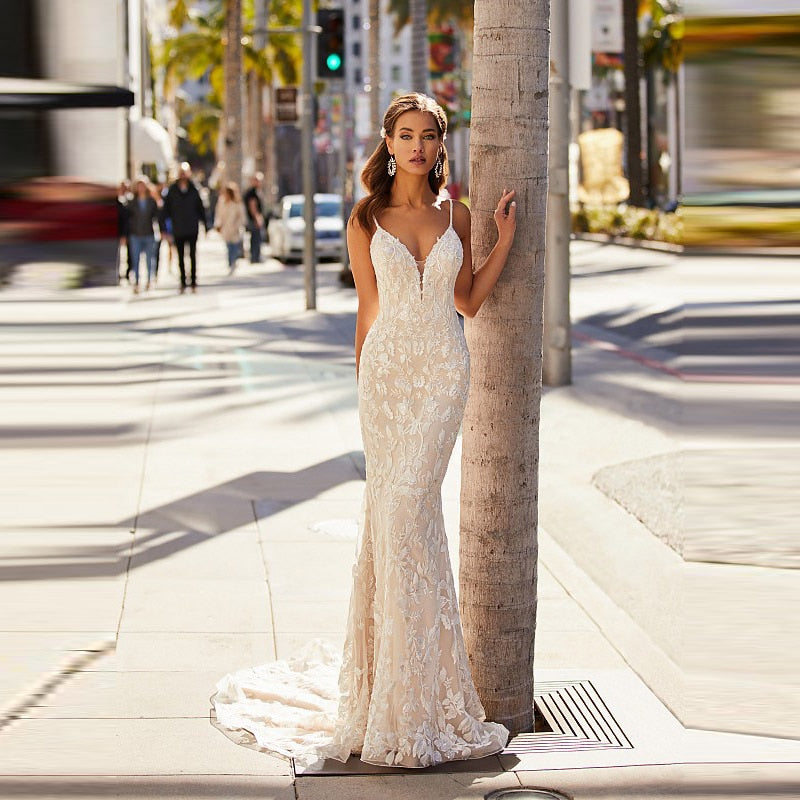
405	694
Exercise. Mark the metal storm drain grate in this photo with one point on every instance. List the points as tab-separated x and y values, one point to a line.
578	719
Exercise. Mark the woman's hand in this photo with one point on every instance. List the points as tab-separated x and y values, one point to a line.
505	217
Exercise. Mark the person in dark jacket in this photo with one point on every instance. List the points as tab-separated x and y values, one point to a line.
123	198
255	216
143	217
184	207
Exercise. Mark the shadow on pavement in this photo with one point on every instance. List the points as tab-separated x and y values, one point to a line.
195	518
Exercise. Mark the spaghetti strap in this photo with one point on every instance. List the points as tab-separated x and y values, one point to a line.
451	212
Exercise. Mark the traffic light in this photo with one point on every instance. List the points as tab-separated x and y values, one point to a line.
330	43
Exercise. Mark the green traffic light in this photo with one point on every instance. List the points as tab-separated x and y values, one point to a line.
334	62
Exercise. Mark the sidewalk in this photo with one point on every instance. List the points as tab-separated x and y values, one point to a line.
180	485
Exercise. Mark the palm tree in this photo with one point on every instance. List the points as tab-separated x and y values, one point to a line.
438	11
498	549
197	50
374	44
633	109
419	13
419	45
233	91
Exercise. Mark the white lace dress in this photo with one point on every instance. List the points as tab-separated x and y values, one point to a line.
405	694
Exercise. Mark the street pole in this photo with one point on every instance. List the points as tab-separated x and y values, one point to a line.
557	355
307	142
344	176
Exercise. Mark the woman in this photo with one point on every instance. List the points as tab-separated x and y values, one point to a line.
143	213
406	694
229	221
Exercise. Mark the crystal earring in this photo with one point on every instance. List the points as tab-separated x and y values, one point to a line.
391	166
438	169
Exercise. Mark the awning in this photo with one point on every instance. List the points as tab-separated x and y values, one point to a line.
28	93
150	143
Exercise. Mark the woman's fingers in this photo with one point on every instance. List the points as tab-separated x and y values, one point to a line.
506	202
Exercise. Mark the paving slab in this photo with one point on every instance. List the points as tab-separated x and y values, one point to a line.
665	781
131	695
132	787
431	786
155	746
63	606
216	651
194	605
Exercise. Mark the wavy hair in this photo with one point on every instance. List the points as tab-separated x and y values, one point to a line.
374	177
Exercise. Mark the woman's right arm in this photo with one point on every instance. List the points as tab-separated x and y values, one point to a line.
366	284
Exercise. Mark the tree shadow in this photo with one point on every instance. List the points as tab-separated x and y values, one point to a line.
190	520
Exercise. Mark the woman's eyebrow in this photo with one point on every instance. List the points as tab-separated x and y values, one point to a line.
425	130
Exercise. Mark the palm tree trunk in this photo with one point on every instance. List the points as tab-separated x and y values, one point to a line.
374	66
633	106
498	552
419	45
233	91
261	157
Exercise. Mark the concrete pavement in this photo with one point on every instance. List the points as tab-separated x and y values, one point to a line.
181	476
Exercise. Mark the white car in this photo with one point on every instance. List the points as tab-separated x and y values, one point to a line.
287	228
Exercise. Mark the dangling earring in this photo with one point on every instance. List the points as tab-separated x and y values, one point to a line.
391	165
438	169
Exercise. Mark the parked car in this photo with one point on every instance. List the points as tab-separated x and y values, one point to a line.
287	227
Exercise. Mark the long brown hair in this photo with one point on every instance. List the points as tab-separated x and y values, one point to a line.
374	177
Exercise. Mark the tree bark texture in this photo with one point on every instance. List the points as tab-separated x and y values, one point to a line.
233	91
498	549
633	105
374	44
419	45
259	142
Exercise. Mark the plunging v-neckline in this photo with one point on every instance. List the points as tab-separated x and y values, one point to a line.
417	262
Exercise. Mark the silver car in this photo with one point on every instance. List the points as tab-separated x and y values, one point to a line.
287	227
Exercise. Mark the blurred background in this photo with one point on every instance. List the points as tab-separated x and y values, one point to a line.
683	120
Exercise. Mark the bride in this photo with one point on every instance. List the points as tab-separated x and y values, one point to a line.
405	695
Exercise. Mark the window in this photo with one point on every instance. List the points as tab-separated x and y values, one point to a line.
356	22
397	73
357	49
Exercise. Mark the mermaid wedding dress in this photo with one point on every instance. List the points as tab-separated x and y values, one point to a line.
405	695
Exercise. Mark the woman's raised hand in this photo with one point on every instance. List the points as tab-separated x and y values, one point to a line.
505	215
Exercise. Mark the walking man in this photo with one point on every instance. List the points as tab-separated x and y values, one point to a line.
255	216
184	206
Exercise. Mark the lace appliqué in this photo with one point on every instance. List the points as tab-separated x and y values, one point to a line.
406	696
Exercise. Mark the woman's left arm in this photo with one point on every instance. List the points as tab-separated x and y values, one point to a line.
472	289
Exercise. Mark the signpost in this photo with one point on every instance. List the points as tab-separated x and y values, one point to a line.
286	104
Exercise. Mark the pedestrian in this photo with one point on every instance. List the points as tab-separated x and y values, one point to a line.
159	194
229	221
143	216
255	216
406	695
123	198
184	208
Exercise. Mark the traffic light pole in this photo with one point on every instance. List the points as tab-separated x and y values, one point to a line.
557	345
333	32
307	143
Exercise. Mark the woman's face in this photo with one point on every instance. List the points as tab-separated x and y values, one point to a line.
415	143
